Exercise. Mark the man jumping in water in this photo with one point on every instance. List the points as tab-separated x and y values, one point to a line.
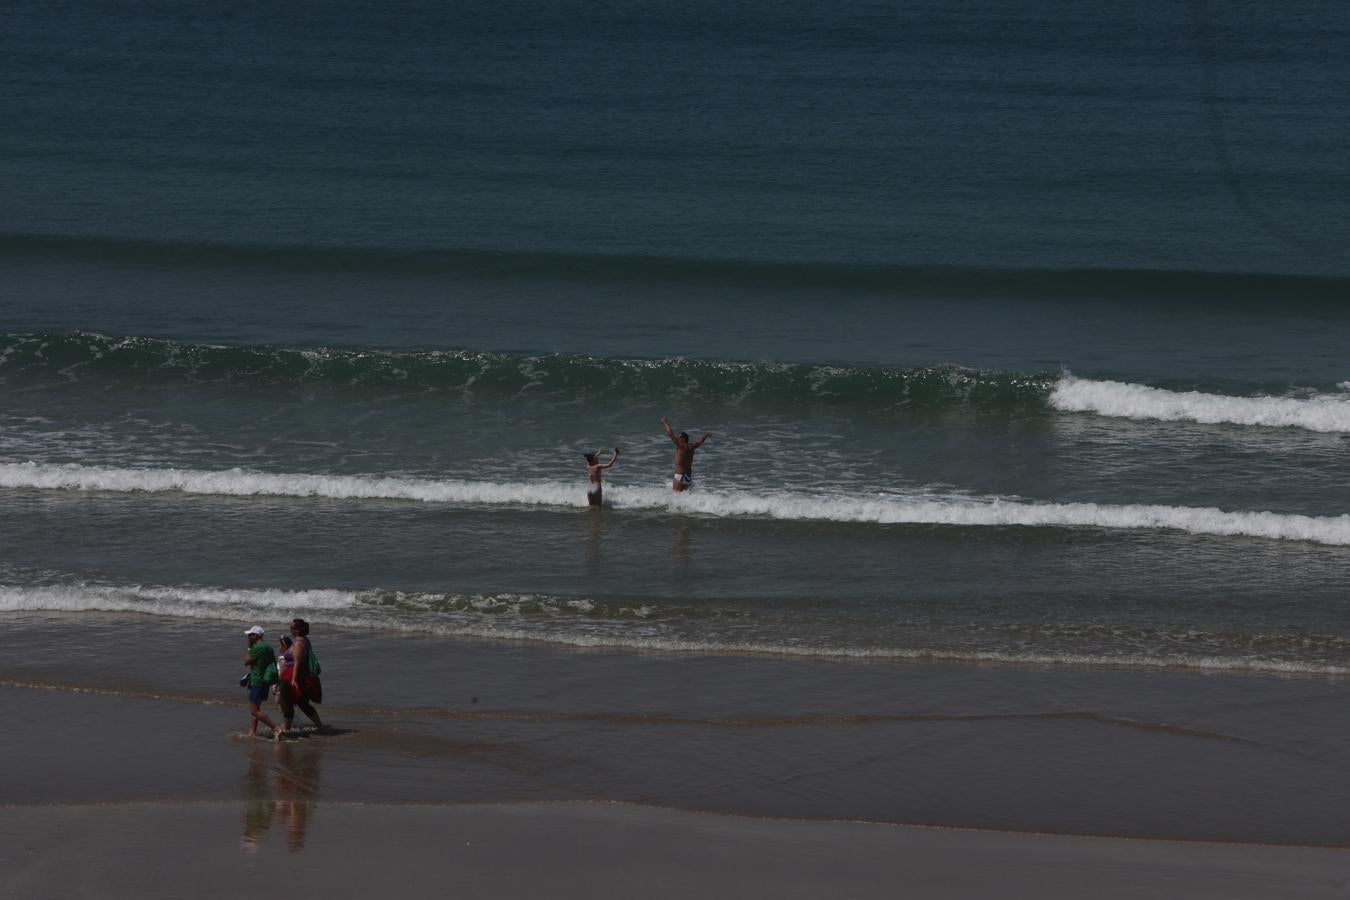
684	456
594	487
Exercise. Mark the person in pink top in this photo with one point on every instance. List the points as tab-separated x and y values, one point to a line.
298	682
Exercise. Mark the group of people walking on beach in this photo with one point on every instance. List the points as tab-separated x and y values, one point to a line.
682	480
289	672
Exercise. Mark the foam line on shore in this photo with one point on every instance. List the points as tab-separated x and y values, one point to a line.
881	509
354	610
190	602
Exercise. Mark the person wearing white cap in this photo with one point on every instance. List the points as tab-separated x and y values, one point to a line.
261	660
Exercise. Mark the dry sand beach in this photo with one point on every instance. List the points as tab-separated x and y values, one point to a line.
511	770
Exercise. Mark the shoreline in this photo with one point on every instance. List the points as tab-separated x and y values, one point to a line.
1203	666
1116	754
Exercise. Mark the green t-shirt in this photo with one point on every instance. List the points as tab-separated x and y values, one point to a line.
260	657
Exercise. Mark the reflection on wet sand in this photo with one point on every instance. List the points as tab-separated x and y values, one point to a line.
282	781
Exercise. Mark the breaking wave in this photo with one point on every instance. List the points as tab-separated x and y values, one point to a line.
1321	412
98	358
881	509
82	355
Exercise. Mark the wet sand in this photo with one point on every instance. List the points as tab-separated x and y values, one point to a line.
577	849
658	775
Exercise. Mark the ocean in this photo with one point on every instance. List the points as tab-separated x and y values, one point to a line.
1020	332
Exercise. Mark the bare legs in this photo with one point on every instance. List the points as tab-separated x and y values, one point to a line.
256	715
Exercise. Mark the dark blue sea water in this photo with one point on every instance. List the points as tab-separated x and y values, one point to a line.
1021	331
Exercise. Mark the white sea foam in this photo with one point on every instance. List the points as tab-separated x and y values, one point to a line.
884	509
1324	412
245	483
899	654
170	601
347	609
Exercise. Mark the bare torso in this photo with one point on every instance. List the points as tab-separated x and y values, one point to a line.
684	455
684	459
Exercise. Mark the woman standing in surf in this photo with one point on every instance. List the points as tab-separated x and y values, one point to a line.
594	485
